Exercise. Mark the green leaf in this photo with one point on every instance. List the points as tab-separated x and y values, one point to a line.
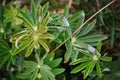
21	47
46	73
43	30
80	22
66	11
76	16
68	53
67	25
4	60
45	9
80	44
58	71
68	46
93	38
85	52
104	58
98	69
29	49
75	53
3	44
49	58
86	29
30	64
89	69
17	35
27	18
99	45
44	45
34	12
46	20
80	67
34	75
55	63
80	61
47	36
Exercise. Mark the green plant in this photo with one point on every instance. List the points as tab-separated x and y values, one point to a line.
30	47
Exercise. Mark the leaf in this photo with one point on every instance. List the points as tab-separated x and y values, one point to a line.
26	17
66	11
58	71
76	16
29	49
92	38
34	75
75	53
79	67
3	44
68	52
55	63
99	46
30	64
89	69
17	35
49	58
43	30
80	61
34	12
86	29
4	60
80	22
80	44
104	58
46	73
21	47
68	46
85	52
98	69
47	36
67	25
45	9
46	20
44	45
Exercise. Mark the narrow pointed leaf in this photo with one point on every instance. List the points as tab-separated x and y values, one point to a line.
34	12
47	36
80	61
66	11
49	58
44	45
99	45
93	38
86	29
67	25
58	71
21	48
104	58
85	52
27	19
98	69
29	49
76	16
45	9
79	67
46	20
55	63
89	69
68	53
4	44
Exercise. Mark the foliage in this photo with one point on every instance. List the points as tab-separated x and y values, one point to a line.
37	44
